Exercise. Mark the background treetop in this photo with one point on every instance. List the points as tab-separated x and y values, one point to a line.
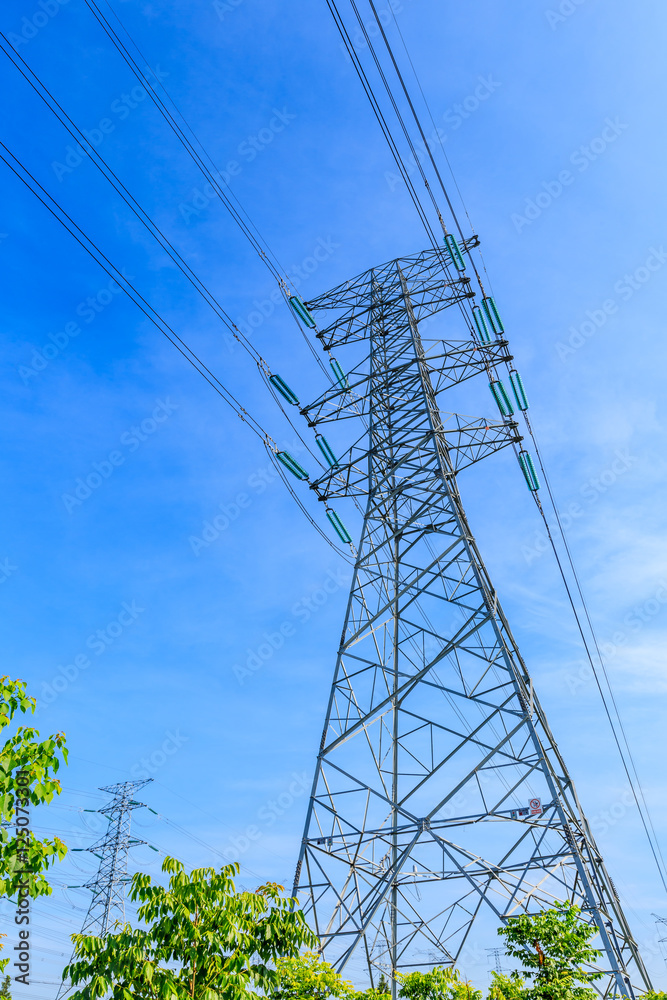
27	778
202	940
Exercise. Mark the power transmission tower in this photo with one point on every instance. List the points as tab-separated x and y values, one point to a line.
441	803
108	884
661	928
497	955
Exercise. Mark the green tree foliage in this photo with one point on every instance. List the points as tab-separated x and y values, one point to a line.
27	777
380	992
6	988
308	975
438	984
201	939
383	988
506	987
552	946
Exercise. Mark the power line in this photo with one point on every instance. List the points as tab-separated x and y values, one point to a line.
257	242
149	311
80	137
419	125
393	146
630	769
439	138
260	245
356	62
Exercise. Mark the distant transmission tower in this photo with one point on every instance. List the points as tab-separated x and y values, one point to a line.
441	805
108	885
661	927
497	955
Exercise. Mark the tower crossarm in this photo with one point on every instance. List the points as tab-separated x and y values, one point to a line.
350	301
469	440
449	362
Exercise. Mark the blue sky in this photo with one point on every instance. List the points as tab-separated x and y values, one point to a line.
560	161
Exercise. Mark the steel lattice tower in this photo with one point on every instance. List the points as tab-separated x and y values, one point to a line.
108	884
440	801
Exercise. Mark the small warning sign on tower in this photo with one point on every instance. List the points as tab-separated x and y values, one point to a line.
534	808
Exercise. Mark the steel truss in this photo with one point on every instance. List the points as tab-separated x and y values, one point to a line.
440	803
